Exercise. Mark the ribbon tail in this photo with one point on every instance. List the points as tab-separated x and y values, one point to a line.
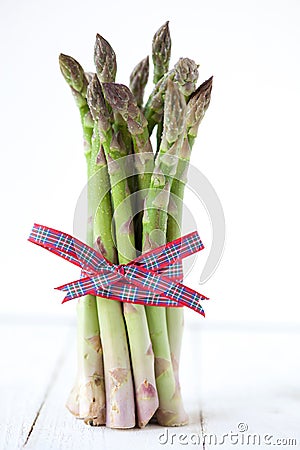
165	288
171	253
88	285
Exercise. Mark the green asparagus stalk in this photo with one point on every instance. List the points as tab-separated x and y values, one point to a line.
118	381
138	80
196	109
87	398
142	357
171	411
161	52
185	74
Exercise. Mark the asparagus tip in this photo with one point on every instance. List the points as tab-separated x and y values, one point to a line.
138	80
73	73
161	51
105	60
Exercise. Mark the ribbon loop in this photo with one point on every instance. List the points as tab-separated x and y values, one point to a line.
151	279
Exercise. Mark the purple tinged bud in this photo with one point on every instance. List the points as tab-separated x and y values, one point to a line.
162	198
117	144
147	243
119	375
197	106
117	95
100	246
112	165
101	160
73	73
138	80
105	60
130	308
186	75
149	351
126	227
95	342
172	208
185	151
161	366
146	390
134	127
161	51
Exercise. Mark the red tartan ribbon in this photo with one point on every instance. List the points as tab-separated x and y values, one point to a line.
148	279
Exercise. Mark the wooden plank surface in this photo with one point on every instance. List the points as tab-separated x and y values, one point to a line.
230	376
251	386
28	363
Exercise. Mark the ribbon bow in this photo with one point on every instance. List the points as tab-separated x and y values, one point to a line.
150	279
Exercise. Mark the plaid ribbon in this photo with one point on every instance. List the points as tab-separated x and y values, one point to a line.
148	279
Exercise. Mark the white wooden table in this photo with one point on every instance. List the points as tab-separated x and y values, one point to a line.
234	379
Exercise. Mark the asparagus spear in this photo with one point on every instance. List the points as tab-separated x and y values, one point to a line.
185	73
138	80
161	51
105	60
87	398
196	109
170	411
106	68
118	381
139	340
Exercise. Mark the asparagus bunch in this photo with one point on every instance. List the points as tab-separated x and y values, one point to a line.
128	355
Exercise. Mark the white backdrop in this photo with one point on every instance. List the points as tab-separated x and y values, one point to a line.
248	145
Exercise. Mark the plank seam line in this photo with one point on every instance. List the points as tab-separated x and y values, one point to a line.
51	383
202	427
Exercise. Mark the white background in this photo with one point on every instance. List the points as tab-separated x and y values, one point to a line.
248	144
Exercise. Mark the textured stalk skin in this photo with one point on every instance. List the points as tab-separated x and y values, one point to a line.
171	411
185	74
161	52
87	398
196	109
142	357
138	80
